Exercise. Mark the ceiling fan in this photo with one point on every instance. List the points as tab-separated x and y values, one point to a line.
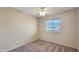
42	11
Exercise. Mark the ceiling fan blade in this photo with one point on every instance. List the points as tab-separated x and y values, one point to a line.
38	10
44	8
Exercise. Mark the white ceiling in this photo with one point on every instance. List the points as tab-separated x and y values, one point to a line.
52	10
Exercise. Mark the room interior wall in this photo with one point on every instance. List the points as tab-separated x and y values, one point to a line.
16	28
68	34
78	27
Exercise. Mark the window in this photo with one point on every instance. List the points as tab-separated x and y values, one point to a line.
53	25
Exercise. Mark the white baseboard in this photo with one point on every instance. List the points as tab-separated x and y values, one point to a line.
57	43
17	46
14	47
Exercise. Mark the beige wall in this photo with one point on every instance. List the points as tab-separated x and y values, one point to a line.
68	34
78	26
16	28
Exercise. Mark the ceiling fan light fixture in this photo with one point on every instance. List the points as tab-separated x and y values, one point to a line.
42	13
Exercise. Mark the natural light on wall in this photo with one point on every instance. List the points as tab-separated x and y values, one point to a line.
53	25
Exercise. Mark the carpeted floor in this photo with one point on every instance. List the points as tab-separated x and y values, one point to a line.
43	46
